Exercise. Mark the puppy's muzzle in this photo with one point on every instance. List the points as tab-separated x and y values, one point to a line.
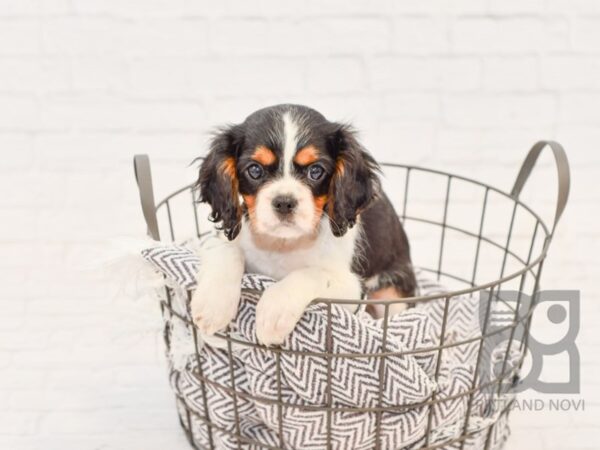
284	206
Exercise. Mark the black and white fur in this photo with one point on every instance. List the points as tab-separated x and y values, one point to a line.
312	215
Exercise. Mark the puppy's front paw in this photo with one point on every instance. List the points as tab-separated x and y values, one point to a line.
277	313
215	303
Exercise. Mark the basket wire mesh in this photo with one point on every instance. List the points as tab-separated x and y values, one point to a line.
520	270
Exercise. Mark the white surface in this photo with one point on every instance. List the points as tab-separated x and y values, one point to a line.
84	84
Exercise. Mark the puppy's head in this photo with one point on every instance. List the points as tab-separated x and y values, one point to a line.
285	167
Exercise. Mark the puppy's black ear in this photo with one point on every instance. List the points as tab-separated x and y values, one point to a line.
354	184
218	180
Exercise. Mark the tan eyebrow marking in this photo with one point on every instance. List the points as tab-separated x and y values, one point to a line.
306	155
264	155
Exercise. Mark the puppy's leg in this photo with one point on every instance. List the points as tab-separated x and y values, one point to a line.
217	296
386	293
391	285
283	303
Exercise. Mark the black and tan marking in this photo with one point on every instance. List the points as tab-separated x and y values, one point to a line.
348	189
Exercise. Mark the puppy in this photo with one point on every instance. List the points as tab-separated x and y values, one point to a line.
298	199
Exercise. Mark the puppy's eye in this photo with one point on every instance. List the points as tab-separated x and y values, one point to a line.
255	171
316	172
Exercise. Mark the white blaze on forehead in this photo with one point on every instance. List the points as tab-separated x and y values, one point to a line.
290	136
303	221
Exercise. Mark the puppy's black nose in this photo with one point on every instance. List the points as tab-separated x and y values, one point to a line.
284	204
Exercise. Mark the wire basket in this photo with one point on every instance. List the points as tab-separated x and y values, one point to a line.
473	237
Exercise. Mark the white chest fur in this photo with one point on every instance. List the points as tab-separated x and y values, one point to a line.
277	258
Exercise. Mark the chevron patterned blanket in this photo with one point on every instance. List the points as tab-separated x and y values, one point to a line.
407	377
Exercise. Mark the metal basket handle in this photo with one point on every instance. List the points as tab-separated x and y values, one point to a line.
143	177
564	177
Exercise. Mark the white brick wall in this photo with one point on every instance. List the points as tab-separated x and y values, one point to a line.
465	86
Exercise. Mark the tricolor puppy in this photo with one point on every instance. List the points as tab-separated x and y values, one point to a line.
298	199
